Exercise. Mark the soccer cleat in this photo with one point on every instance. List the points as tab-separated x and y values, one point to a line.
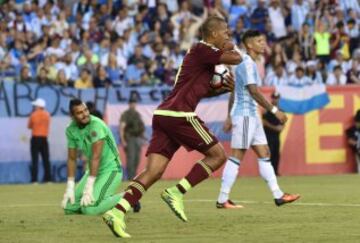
286	198
175	201
116	223
228	205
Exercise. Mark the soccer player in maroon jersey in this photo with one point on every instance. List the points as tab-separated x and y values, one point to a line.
175	124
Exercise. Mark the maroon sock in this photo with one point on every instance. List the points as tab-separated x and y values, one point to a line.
199	172
133	194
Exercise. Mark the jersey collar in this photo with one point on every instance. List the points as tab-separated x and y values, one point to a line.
208	44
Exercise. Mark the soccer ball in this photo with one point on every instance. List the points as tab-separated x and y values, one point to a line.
221	71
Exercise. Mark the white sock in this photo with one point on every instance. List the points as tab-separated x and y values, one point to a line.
268	174
229	175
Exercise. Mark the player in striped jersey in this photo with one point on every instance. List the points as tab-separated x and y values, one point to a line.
247	129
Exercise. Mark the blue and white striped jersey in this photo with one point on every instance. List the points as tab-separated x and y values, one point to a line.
245	73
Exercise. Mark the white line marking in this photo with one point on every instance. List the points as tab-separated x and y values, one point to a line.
201	201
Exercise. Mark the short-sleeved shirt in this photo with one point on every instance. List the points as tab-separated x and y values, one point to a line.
322	43
83	139
39	122
134	124
245	73
192	81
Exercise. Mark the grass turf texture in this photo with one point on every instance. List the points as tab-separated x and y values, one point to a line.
327	212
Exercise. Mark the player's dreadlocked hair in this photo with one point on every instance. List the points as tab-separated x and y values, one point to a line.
210	25
250	34
73	103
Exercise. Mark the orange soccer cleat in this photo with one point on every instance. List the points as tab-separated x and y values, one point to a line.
228	205
286	198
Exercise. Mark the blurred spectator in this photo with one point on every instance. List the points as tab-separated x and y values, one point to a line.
91	30
337	77
93	111
42	76
71	70
294	63
299	10
170	73
277	77
311	72
306	41
113	71
259	16
88	60
339	61
340	41
353	75
85	80
299	78
176	56
277	15
346	5
39	123
237	10
239	30
277	55
122	22
322	42
134	72
138	56
353	136
61	79
25	75
49	68
352	30
101	79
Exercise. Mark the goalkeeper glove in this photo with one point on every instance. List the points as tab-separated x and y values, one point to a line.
69	192
87	197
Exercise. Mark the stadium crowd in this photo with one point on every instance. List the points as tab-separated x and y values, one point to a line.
99	43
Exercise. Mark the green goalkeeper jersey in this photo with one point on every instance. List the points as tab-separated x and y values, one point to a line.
83	139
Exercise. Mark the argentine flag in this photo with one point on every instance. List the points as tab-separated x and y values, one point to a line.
298	99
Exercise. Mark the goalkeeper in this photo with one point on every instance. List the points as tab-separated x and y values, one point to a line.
95	193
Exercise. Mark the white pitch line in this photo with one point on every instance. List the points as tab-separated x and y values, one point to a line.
295	203
201	201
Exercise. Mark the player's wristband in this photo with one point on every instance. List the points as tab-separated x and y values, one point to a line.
71	182
274	109
90	182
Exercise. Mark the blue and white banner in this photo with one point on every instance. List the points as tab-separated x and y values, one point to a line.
302	99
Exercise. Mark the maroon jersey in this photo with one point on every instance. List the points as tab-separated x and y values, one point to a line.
193	78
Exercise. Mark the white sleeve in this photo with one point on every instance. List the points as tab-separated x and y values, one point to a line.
250	73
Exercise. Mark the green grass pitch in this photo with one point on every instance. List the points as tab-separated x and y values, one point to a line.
329	211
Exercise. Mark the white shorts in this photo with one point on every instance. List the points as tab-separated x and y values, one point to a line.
247	131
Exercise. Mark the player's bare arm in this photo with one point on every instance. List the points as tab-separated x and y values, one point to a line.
71	162
69	195
230	58
260	99
95	160
228	124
